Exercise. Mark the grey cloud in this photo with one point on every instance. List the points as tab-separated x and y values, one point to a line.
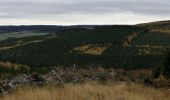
45	8
20	8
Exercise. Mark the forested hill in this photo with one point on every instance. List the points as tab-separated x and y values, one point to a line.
41	28
118	46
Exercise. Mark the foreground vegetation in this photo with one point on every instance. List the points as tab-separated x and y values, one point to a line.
90	91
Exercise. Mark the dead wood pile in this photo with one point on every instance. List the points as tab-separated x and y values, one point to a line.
58	76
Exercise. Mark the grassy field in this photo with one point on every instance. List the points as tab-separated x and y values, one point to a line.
19	35
90	91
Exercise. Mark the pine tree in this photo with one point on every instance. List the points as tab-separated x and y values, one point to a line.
166	71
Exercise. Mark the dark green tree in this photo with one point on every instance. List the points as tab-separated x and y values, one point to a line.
166	71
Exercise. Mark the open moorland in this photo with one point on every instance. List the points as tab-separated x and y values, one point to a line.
134	56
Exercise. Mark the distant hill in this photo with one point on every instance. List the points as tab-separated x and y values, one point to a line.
41	28
159	26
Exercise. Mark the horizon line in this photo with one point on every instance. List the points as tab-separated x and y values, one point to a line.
82	24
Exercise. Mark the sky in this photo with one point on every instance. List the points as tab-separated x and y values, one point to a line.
82	12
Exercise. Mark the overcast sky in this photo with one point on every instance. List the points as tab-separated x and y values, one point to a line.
74	12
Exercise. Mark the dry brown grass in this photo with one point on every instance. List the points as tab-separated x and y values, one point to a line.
91	91
167	31
92	49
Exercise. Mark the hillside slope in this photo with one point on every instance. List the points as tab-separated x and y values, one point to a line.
130	47
159	26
